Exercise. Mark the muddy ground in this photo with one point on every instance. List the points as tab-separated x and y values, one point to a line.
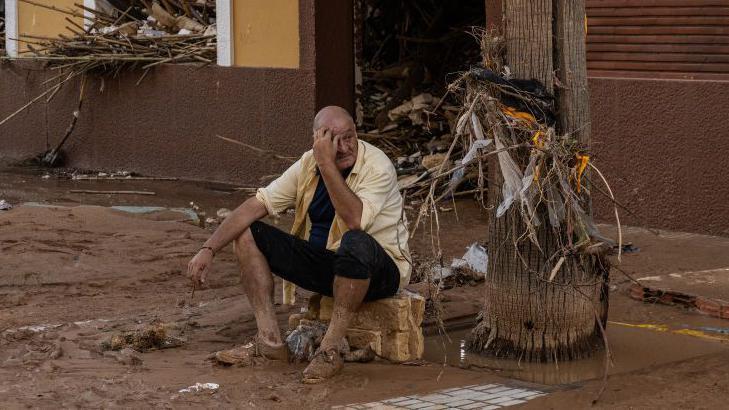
74	272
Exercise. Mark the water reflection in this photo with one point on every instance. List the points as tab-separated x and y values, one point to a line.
631	349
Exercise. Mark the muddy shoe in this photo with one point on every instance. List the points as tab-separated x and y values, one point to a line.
243	355
323	366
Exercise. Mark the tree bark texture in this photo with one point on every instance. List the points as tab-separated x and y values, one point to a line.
526	316
528	35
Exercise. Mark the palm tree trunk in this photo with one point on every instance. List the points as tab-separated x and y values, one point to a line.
526	316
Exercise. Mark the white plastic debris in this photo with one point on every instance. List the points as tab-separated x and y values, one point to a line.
184	32
5	205
476	258
471	154
198	387
108	29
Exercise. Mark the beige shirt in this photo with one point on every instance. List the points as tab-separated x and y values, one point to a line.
373	179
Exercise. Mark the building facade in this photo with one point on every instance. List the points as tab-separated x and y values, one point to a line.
658	78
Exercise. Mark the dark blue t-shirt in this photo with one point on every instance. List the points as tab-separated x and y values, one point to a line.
321	214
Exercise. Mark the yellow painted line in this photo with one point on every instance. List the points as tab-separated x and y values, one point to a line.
665	328
657	328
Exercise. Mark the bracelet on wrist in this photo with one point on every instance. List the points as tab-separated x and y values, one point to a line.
210	248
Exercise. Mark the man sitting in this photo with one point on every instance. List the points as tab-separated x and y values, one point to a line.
348	240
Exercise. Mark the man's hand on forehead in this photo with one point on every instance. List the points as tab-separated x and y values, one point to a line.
335	132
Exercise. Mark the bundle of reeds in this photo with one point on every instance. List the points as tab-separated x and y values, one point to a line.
128	35
538	171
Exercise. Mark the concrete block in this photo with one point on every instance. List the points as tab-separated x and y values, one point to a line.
384	314
417	308
392	326
396	346
360	339
416	343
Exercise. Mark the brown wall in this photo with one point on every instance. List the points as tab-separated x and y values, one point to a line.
167	125
664	147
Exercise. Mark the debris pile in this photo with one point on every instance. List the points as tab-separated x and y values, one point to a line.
542	174
404	107
129	34
151	337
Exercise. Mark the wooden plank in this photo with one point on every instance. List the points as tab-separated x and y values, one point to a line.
647	66
657	39
591	4
653	57
659	21
648	30
659	48
657	75
658	11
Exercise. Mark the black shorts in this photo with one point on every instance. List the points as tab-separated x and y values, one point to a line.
359	257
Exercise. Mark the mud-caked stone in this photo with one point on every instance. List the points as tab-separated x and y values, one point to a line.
396	346
417	307
416	344
391	327
361	339
384	314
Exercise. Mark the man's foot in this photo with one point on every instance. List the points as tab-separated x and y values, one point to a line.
323	366
243	355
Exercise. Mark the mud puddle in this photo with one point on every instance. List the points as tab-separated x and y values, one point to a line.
632	348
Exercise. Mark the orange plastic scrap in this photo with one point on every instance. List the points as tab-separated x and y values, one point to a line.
519	115
582	161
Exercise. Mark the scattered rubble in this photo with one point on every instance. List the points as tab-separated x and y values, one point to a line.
467	270
151	337
708	306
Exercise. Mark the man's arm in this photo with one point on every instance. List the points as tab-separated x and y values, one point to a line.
232	227
236	223
346	203
278	196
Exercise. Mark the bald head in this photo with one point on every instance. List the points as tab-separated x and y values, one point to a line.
334	118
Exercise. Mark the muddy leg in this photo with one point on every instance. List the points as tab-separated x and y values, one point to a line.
257	283
348	296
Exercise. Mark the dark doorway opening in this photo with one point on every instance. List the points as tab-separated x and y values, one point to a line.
408	51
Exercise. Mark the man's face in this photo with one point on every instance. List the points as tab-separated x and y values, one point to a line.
347	144
346	148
